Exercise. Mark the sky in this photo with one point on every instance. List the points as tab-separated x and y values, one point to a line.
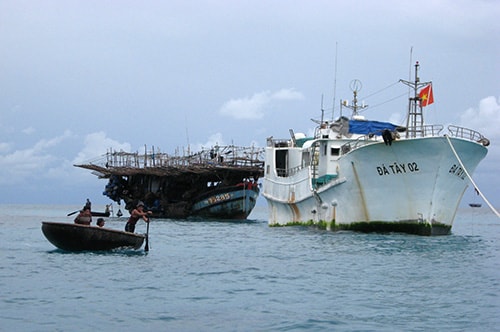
80	77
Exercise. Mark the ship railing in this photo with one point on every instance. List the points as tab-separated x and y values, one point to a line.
432	130
424	131
360	141
286	172
218	156
278	142
465	133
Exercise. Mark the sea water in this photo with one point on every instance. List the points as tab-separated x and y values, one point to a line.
245	276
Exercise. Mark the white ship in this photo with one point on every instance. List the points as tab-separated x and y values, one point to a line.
362	175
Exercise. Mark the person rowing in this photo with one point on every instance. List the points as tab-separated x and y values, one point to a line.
135	215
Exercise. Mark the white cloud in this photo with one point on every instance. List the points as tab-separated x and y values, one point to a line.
246	108
41	162
21	165
4	147
28	131
485	118
96	145
44	144
254	107
287	94
213	140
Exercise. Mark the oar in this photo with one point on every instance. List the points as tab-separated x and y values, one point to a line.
146	247
72	213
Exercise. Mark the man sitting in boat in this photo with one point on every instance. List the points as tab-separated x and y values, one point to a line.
135	215
100	222
84	217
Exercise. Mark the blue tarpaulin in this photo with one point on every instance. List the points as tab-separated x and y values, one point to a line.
369	127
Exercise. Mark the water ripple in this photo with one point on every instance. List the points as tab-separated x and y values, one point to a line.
218	276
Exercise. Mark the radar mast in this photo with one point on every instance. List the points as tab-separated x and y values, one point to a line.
415	117
355	87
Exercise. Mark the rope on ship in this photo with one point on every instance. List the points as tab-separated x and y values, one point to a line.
470	178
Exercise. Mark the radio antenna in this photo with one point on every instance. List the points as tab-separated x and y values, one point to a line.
409	70
187	134
335	83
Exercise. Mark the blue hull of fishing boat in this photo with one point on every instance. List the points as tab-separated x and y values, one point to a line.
227	203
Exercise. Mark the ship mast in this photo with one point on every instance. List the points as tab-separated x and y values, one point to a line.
415	117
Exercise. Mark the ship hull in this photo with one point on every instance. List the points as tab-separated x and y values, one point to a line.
227	203
412	186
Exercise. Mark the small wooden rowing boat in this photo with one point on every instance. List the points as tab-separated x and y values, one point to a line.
74	237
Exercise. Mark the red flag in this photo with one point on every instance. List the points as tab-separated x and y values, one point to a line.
426	96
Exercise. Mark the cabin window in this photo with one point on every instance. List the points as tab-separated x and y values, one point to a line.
306	159
334	151
324	149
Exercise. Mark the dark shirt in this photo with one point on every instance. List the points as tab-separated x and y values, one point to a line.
133	219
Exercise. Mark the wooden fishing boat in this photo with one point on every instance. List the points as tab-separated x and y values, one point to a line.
100	214
74	237
207	183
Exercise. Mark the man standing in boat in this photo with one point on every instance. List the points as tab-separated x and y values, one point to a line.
135	215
